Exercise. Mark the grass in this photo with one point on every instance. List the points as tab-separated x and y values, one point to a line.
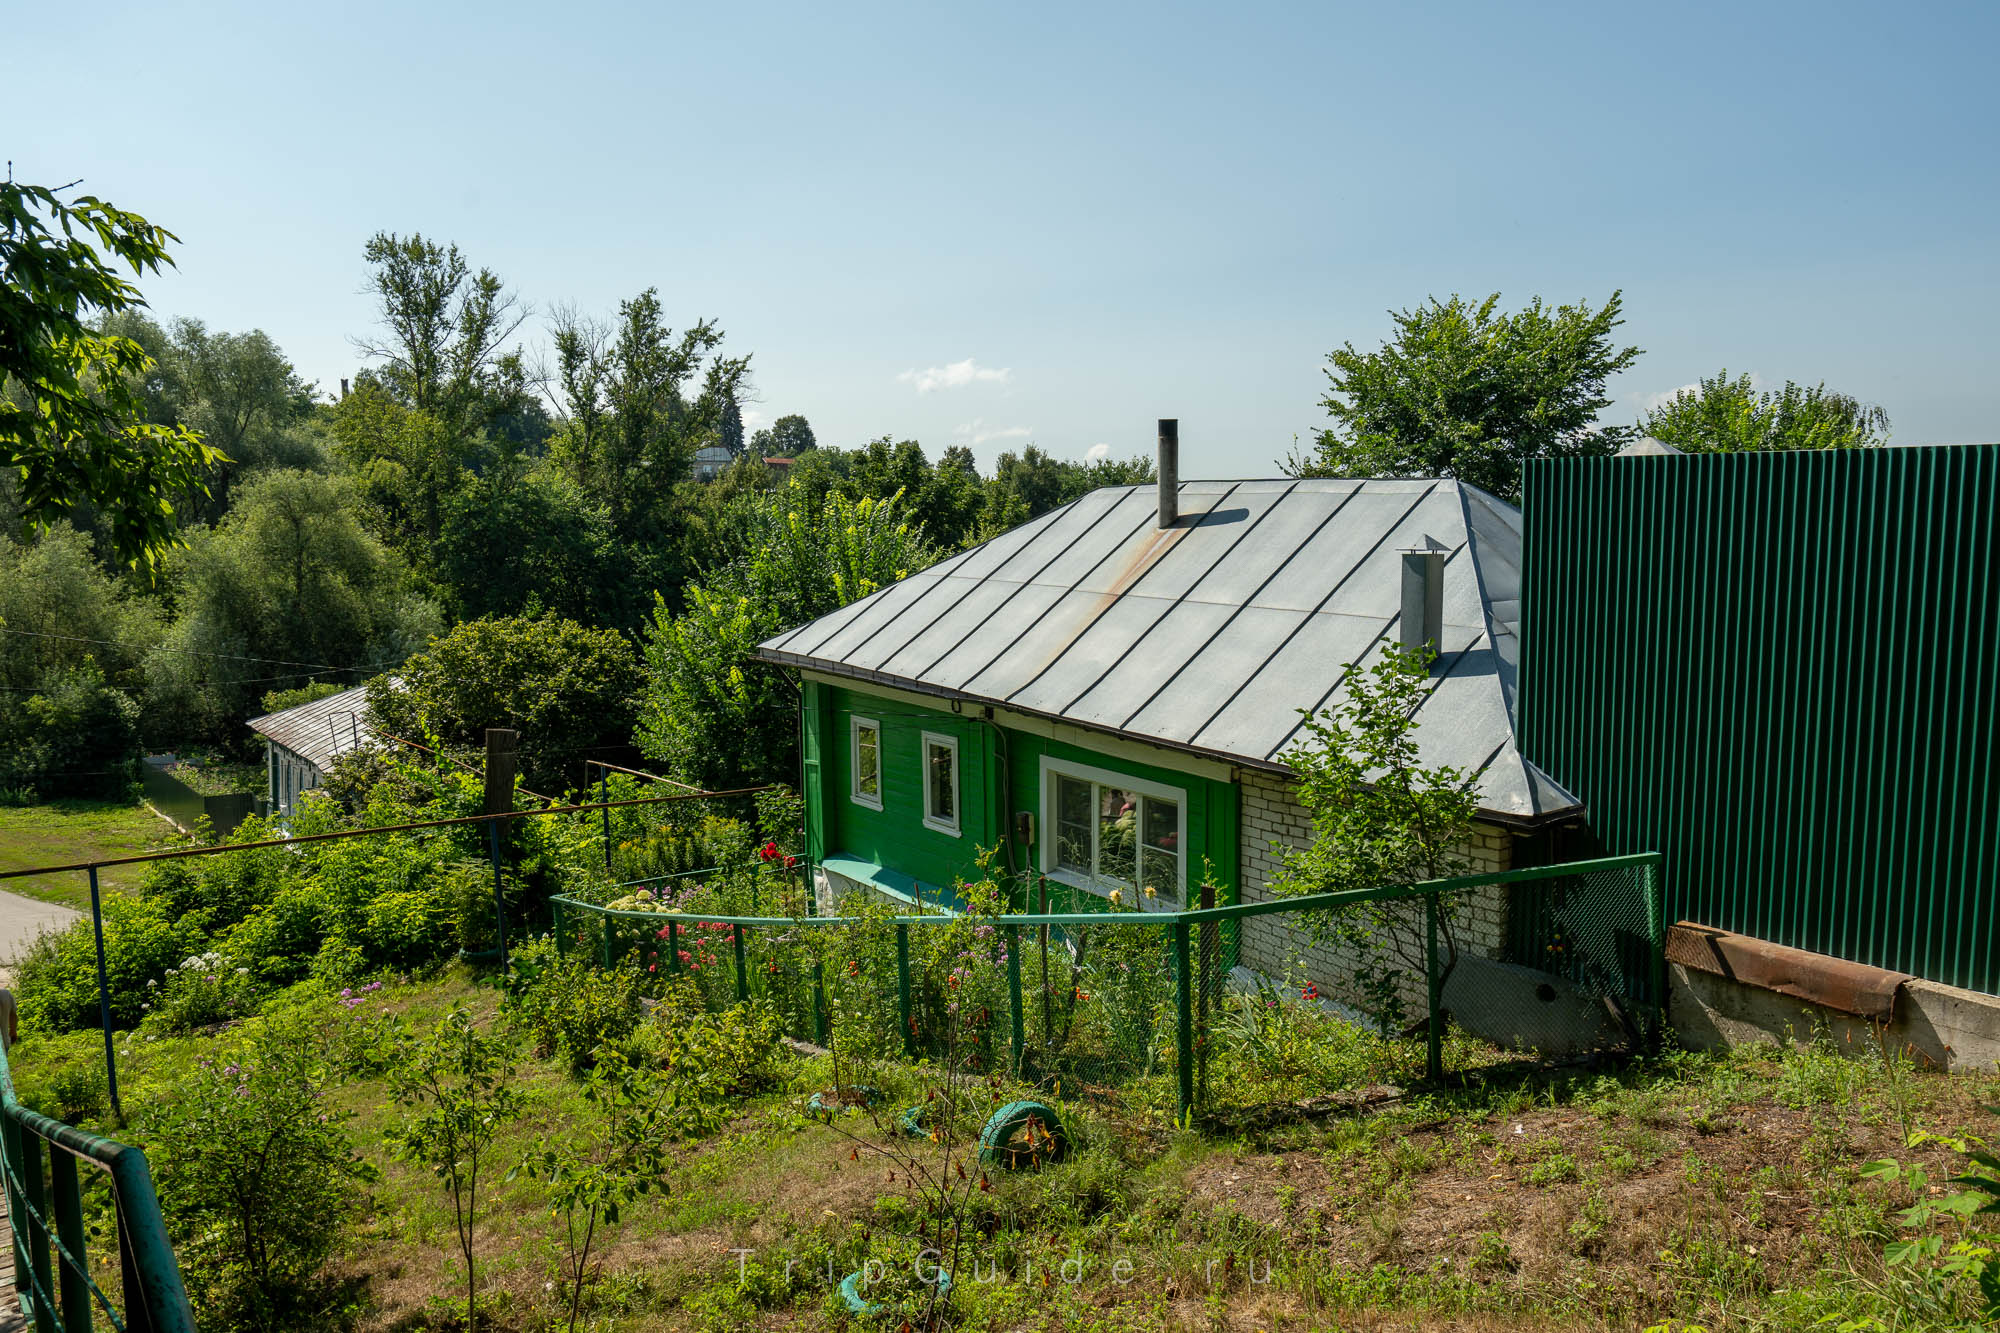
64	832
1721	1191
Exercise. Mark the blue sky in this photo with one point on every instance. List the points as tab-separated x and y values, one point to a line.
1053	224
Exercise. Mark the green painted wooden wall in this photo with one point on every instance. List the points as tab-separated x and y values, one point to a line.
1781	670
896	837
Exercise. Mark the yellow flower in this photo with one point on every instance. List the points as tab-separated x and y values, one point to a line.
1118	897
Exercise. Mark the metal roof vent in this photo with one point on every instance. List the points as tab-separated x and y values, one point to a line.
1423	599
1170	471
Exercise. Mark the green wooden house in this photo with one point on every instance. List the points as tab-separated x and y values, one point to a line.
1106	695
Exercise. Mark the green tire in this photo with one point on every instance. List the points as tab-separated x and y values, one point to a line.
1023	1134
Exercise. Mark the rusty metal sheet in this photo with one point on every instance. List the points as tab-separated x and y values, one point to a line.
1832	983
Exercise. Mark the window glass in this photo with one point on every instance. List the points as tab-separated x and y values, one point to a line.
1117	834
1160	849
943	783
1073	824
867	762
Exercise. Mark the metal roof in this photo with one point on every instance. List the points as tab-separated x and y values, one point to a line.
321	731
1212	635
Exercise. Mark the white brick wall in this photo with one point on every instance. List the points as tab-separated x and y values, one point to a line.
1273	820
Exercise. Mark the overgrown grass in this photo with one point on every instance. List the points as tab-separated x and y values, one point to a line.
64	832
1717	1190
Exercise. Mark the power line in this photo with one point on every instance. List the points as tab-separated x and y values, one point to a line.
198	652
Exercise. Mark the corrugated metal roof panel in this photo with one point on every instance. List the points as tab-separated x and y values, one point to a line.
323	730
1213	634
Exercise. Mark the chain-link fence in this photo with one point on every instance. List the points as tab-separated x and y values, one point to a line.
1154	1008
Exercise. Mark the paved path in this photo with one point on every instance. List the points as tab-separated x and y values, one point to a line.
21	920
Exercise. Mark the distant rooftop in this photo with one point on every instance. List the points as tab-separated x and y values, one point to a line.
323	730
1212	635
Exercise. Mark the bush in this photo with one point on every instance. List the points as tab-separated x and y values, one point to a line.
278	942
226	888
56	980
567	1007
200	992
256	1174
75	736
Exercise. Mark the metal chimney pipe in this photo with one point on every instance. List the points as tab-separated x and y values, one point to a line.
1423	600
1170	471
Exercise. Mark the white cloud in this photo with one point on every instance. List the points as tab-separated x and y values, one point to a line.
1097	453
976	431
955	376
754	420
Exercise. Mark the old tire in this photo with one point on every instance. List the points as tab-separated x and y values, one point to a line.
1023	1134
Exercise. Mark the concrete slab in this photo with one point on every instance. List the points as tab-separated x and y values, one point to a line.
22	920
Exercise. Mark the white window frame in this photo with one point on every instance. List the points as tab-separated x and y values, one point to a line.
939	739
855	722
1053	768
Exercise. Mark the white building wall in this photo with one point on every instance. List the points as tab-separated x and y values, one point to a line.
1272	820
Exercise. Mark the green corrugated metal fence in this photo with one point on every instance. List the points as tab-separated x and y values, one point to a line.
1780	670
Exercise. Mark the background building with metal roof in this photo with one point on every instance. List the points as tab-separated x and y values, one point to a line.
301	743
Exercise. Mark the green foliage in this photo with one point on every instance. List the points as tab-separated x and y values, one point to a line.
74	736
1466	390
787	437
456	1087
56	979
711	1058
277	701
201	991
63	614
619	1157
71	422
256	1177
1721	414
568	1008
714	715
569	690
1380	818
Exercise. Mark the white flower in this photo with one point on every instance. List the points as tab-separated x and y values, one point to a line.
242	971
151	984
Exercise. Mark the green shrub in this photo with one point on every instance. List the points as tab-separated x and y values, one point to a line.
277	942
56	980
711	1057
226	888
74	736
567	1007
256	1176
77	1090
200	992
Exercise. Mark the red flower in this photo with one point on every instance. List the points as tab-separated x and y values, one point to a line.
769	851
791	862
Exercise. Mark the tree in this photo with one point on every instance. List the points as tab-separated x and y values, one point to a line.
569	690
457	1085
1469	391
72	426
60	611
444	327
289	588
522	540
787	437
711	712
1380	818
1725	415
244	397
631	426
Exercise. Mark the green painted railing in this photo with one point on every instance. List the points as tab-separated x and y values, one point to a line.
45	1207
1636	983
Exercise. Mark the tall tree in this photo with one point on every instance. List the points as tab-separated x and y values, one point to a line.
1729	415
72	424
1467	390
787	437
444	330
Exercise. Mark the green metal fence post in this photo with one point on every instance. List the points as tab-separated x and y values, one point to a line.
820	1016
499	890
673	946
11	1139
562	927
903	1013
604	797
1014	993
37	1211
68	1207
1656	940
742	969
104	1002
1434	988
1184	1026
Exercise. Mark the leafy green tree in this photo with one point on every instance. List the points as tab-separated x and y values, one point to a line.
1380	817
524	539
457	1085
73	736
712	713
72	424
632	422
243	396
787	437
288	589
1722	414
443	330
60	611
257	1173
618	1158
1467	390
569	690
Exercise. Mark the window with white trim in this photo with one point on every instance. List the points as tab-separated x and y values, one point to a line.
865	761
1103	831
941	783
